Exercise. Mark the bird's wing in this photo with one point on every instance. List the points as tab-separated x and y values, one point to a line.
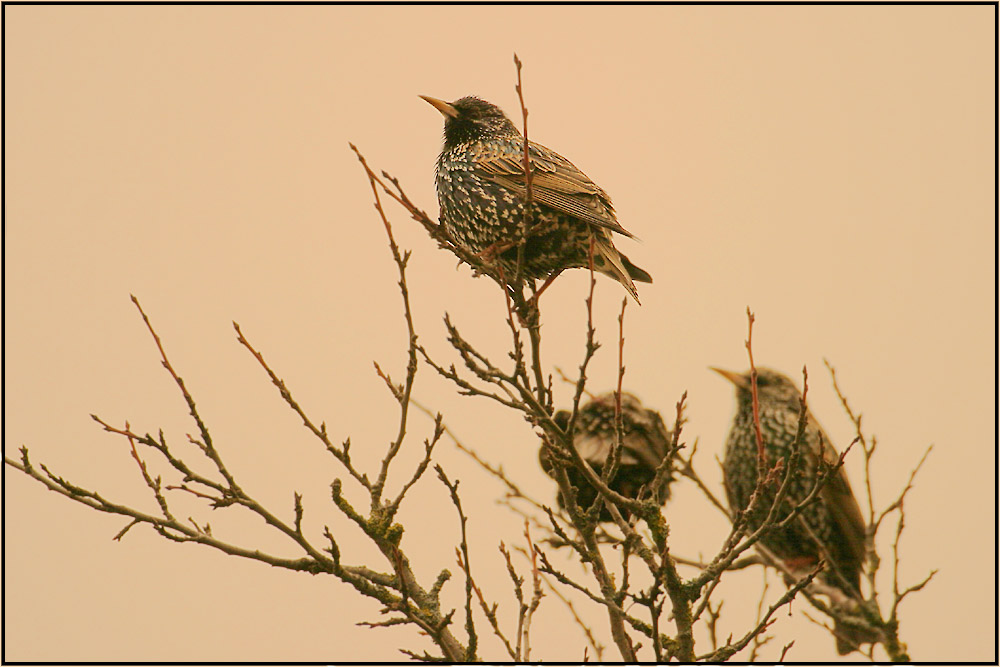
647	449
638	448
555	182
843	506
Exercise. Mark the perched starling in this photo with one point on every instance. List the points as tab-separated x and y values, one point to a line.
834	521
644	445
481	190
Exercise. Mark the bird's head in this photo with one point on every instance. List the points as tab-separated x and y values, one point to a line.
471	118
773	388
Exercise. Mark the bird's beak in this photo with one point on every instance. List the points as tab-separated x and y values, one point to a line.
735	378
441	106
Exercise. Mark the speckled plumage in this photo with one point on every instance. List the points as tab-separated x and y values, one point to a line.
481	188
834	521
645	440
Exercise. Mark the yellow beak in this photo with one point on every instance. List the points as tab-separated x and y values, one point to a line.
441	106
737	379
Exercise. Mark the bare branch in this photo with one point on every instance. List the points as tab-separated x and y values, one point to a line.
731	649
206	439
463	560
761	453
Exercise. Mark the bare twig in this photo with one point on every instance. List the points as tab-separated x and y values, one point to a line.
463	561
587	632
522	608
761	453
206	440
536	594
732	648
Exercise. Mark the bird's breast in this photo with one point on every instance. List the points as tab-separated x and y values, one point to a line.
476	211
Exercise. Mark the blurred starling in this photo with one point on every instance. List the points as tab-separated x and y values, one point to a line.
834	520
481	190
644	445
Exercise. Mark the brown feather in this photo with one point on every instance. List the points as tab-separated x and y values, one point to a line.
838	497
556	183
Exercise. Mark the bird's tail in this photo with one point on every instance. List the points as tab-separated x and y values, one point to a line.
617	265
851	635
850	638
635	272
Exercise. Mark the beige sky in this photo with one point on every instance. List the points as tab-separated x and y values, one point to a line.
830	167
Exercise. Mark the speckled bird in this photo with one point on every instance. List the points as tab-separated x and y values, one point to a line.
645	441
835	521
481	191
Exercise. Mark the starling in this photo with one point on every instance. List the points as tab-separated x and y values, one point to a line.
834	521
645	441
481	191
